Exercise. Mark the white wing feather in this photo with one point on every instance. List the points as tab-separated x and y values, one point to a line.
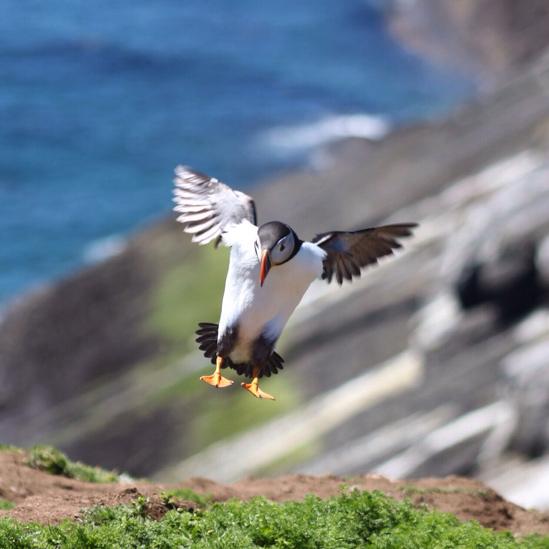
207	206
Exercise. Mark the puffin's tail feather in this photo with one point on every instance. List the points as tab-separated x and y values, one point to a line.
275	363
207	343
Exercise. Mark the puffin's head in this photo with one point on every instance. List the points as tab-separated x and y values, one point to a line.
276	243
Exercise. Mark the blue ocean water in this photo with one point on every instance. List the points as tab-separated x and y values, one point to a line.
100	100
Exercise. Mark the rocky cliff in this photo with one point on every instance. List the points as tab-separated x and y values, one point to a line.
488	36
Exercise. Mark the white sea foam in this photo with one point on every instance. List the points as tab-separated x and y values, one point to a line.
299	138
103	248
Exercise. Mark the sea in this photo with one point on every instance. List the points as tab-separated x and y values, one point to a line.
100	100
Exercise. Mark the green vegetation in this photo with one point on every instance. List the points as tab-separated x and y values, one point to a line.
183	296
357	519
412	490
185	494
55	462
5	504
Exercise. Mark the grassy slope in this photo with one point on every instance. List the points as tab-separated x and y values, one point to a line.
51	460
356	519
352	519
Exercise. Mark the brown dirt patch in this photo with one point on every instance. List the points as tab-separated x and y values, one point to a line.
46	498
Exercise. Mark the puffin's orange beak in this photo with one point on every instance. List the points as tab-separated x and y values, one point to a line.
265	267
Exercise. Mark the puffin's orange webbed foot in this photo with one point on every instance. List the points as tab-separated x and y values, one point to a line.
216	379
254	389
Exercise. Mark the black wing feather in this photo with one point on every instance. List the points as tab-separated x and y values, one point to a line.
349	252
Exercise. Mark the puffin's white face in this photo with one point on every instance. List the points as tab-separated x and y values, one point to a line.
275	244
283	249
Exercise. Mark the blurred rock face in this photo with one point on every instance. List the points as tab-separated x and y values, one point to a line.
510	282
487	35
526	384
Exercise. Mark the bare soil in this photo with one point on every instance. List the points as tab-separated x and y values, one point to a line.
41	497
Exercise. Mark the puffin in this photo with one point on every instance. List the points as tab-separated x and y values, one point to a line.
270	269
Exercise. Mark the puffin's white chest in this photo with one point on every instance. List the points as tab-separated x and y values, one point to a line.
263	310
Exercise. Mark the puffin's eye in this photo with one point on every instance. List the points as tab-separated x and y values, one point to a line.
282	250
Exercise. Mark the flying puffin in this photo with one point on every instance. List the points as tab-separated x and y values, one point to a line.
270	268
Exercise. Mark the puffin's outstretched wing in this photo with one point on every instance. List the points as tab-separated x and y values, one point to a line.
207	206
348	252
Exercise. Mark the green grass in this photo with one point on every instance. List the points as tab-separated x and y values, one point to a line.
357	519
5	504
412	490
53	461
188	293
185	494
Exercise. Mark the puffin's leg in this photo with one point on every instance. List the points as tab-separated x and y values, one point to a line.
216	379
253	387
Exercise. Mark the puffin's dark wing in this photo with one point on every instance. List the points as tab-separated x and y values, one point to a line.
348	252
207	206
